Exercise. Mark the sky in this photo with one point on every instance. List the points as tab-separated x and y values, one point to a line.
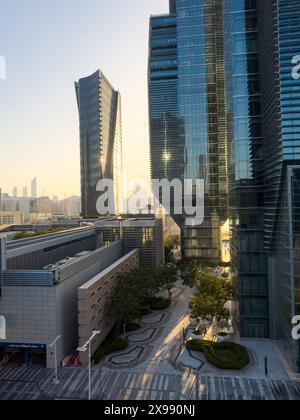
47	45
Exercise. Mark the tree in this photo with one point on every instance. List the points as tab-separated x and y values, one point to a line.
125	304
166	278
135	290
211	297
202	307
188	268
171	243
209	285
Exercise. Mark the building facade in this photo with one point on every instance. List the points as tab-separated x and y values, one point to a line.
93	301
187	113
279	39
145	234
10	217
99	108
245	165
41	302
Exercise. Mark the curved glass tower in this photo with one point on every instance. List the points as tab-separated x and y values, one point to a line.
99	108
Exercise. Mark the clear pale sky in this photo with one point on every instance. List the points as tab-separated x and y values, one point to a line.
48	44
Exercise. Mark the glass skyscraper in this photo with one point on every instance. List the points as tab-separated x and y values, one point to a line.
279	38
245	157
99	108
224	106
187	112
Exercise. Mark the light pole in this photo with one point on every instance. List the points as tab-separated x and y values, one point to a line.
83	349
124	331
54	344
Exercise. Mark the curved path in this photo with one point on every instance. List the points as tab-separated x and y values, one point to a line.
160	338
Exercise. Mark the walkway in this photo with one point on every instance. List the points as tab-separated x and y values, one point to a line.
154	348
19	384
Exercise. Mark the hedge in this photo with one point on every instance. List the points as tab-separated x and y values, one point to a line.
226	356
133	326
145	311
111	344
160	304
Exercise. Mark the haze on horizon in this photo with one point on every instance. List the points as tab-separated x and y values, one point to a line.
48	44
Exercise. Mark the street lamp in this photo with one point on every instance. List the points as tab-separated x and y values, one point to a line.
54	344
83	349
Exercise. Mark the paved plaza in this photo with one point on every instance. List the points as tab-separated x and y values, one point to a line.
157	367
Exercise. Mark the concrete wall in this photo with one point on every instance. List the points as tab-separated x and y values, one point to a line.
93	301
30	313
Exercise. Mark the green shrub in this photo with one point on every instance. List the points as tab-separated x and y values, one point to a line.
226	356
145	311
160	304
98	355
133	326
111	344
34	233
116	344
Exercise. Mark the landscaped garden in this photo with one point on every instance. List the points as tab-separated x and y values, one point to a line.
111	344
226	356
136	295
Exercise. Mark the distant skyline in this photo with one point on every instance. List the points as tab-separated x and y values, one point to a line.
48	44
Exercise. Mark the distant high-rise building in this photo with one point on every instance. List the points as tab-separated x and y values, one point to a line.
25	192
24	208
187	113
15	192
99	108
34	188
44	205
10	204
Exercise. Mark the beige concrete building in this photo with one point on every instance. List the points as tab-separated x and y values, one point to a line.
93	300
10	218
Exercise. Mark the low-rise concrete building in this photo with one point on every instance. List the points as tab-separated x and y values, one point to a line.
94	297
143	233
39	282
10	217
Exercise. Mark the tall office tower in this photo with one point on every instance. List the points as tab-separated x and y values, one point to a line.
187	113
34	188
245	163
279	29
25	192
99	108
15	192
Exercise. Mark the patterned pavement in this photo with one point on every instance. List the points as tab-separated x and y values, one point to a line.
32	384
